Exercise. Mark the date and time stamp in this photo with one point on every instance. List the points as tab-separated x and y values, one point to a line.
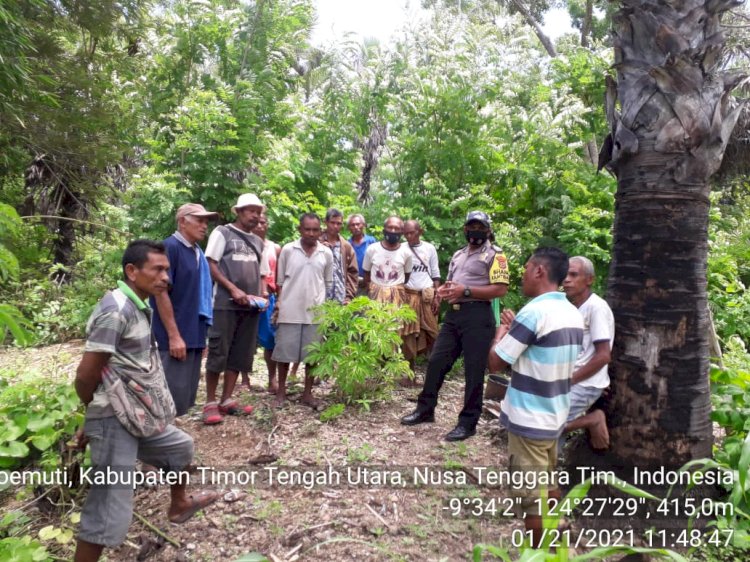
615	509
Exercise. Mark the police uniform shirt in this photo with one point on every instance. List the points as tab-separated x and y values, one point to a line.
485	266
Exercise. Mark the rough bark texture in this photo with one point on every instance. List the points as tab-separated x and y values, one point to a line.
668	138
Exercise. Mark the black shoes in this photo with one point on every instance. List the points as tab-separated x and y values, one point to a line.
417	417
458	433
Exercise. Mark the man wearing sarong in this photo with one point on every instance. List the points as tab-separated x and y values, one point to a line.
421	292
387	267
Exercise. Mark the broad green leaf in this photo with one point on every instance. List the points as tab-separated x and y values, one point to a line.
40	422
44	440
49	532
14	449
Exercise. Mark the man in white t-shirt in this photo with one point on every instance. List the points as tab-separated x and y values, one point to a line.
590	377
421	290
387	266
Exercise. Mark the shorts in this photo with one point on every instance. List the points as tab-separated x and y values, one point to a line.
108	510
231	341
536	459
183	378
266	330
581	399
292	341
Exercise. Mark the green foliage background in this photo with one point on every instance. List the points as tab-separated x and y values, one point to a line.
114	114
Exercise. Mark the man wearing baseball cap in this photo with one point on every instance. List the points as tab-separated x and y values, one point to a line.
234	257
477	273
182	315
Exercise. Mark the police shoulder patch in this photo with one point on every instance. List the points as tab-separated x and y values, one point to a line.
499	272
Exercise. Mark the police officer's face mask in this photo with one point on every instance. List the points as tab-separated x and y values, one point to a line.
476	237
392	237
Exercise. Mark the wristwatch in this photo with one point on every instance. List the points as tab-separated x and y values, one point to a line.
467	292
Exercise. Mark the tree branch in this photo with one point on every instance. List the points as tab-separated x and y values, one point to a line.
538	31
586	25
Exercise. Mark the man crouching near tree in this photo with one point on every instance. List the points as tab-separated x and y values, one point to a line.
540	346
120	363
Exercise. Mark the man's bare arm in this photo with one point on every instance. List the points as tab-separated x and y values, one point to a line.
481	292
494	362
177	348
238	296
602	356
366	282
89	374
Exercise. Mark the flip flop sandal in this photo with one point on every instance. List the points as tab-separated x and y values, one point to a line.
211	415
197	502
232	408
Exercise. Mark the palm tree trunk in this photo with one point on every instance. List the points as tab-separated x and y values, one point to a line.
665	143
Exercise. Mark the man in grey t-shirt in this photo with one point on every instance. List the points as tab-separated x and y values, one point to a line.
234	258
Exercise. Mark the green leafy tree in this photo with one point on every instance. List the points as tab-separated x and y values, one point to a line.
11	319
72	123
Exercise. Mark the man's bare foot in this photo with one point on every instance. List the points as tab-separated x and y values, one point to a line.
308	400
279	402
272	389
598	431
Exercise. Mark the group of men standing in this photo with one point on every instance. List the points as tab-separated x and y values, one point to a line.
246	290
264	294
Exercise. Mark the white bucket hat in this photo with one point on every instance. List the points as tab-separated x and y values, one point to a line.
247	200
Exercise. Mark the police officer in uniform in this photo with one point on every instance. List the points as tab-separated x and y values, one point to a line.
478	273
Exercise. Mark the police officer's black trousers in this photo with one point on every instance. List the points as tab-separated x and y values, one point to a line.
469	330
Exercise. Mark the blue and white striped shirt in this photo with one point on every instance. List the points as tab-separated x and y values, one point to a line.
541	347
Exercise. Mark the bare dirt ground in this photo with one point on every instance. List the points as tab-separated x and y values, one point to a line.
329	521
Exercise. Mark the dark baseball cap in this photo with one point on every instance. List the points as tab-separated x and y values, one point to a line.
479	216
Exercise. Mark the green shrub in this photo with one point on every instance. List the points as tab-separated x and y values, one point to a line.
361	348
36	415
24	549
730	397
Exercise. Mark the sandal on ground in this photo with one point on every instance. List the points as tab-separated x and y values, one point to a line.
231	407
197	502
211	415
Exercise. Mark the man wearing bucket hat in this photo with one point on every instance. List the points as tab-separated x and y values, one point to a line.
234	257
477	273
182	316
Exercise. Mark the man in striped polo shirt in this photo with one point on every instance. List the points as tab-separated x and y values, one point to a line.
540	345
119	338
